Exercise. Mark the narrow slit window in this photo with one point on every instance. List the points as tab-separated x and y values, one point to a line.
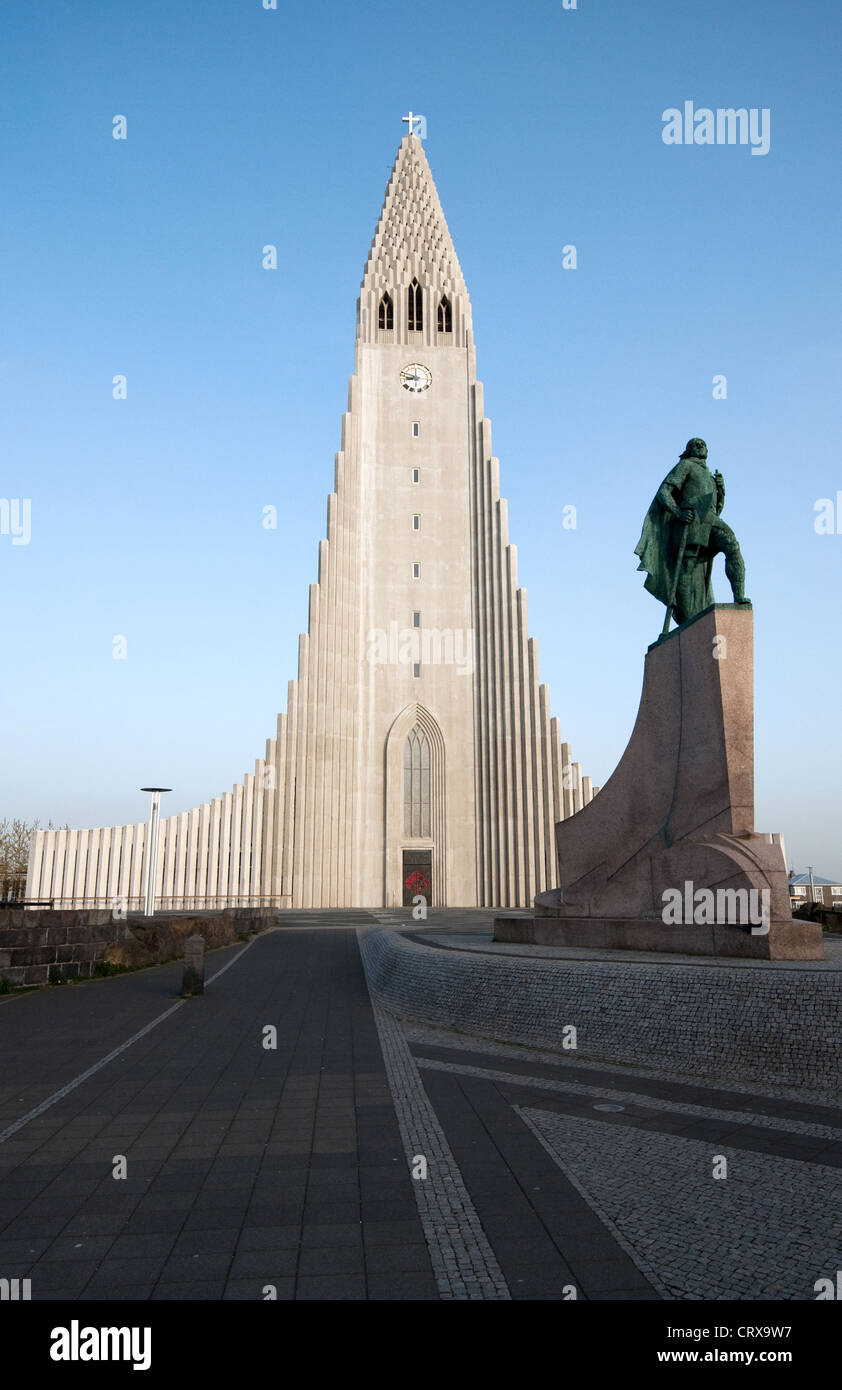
416	475
416	429
415	311
416	570
445	315
416	620
416	523
416	669
417	797
386	313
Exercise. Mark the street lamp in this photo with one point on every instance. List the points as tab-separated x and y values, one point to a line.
152	848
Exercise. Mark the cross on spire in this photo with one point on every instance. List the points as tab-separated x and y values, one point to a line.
411	119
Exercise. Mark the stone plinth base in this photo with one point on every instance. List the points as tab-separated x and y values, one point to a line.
795	940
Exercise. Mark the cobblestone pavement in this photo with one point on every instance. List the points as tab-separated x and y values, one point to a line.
462	1258
255	1171
768	1230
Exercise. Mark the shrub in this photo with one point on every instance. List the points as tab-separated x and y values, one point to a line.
107	967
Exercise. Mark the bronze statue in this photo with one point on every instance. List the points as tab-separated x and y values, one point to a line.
682	533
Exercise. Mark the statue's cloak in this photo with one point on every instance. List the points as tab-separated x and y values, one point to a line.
658	551
661	536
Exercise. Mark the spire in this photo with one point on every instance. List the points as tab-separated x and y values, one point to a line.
412	240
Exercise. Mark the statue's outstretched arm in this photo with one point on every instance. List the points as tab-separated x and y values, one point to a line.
720	491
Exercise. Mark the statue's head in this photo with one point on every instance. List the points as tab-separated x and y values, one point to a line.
696	449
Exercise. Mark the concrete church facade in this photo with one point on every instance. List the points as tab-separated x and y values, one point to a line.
417	753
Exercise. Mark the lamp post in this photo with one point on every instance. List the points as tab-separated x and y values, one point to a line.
152	848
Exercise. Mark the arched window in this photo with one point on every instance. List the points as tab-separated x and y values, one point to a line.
416	785
445	315
385	316
415	320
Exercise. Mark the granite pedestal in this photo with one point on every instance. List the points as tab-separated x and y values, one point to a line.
671	834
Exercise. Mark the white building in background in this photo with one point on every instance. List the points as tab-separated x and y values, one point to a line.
810	888
417	752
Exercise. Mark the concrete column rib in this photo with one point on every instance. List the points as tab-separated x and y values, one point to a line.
125	876
235	850
537	762
102	868
224	850
567	775
180	854
39	880
244	887
257	832
139	833
191	858
320	770
290	782
78	889
202	861
301	770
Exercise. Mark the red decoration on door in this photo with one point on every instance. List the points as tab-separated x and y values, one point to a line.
418	882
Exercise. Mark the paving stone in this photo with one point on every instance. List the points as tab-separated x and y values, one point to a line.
332	1259
124	1293
139	1244
331	1287
24	1249
62	1279
135	1270
191	1243
268	1263
327	1234
212	1220
270	1237
319	1213
397	1259
252	1290
207	1290
389	1232
78	1248
409	1287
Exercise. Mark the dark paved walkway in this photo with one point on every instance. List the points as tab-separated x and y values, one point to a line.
246	1167
288	1169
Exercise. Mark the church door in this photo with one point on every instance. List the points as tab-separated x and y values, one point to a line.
417	875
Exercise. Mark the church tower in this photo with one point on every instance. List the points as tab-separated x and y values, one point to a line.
417	753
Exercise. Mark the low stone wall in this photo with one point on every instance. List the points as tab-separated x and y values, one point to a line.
39	945
830	918
775	1025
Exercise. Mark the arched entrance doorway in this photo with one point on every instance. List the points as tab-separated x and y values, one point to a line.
415	858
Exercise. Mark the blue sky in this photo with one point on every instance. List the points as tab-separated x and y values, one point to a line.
247	127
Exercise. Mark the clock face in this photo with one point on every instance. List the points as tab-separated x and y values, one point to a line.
416	378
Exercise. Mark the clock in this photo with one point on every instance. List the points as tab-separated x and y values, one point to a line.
416	378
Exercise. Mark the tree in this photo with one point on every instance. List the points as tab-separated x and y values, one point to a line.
15	840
